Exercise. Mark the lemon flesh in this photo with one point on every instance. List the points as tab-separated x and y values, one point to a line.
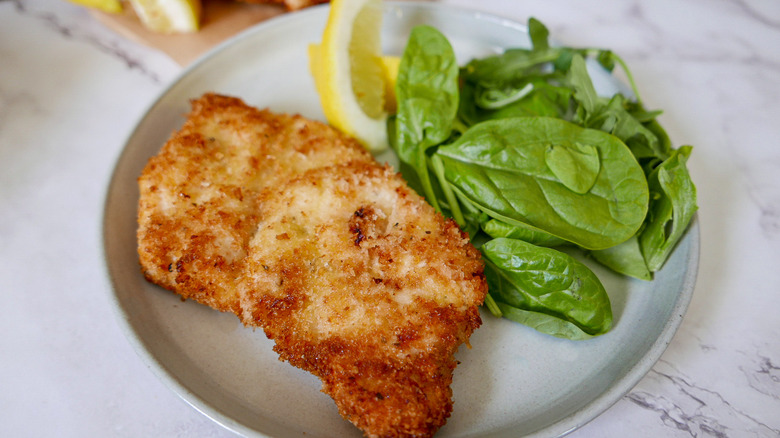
168	16
365	63
348	71
389	74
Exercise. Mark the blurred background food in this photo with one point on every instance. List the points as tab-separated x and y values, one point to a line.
176	16
185	29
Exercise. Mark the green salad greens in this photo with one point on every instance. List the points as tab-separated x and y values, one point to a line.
523	153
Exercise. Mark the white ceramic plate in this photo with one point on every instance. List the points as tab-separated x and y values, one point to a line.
513	382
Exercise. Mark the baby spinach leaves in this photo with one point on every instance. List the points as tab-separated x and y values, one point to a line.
543	280
671	208
626	259
525	155
502	167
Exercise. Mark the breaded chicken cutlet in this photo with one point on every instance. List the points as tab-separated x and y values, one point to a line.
296	229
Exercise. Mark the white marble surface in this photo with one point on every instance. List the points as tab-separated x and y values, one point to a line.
71	91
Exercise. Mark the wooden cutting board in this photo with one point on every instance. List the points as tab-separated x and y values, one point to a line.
221	19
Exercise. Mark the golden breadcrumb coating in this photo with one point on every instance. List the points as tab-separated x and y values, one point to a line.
297	230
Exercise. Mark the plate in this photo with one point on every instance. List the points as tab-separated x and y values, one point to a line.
513	381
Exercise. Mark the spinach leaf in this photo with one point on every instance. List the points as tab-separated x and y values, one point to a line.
543	100
427	95
562	63
496	228
640	113
664	143
606	59
625	259
494	98
584	91
499	165
511	66
547	281
575	165
468	111
615	118
671	208
539	35
542	322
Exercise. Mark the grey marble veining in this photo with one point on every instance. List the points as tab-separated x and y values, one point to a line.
688	407
78	25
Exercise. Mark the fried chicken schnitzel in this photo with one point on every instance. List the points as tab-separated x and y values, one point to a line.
296	229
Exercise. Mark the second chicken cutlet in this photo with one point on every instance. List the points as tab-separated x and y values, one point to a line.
297	230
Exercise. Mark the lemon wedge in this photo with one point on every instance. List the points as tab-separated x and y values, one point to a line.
111	6
168	16
349	74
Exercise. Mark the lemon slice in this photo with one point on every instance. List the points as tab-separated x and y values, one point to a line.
112	6
348	71
168	16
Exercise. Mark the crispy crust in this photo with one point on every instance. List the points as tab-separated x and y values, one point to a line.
297	230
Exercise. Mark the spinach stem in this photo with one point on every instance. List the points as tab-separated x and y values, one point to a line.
425	180
627	71
438	168
630	78
490	303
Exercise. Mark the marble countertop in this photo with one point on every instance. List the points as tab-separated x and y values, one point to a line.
71	91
